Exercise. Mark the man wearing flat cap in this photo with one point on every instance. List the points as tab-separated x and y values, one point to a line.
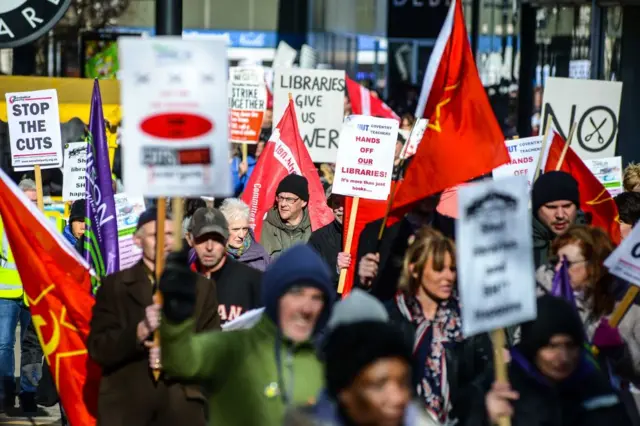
121	341
288	221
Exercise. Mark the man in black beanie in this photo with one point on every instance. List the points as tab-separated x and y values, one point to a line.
288	221
555	204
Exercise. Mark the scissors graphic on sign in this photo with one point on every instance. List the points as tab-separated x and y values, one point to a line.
597	130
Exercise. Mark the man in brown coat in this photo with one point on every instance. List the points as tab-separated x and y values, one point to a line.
120	341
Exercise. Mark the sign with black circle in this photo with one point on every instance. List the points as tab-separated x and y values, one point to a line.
24	21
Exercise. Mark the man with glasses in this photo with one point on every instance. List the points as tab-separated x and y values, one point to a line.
287	222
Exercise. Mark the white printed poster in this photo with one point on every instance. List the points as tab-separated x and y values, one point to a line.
319	101
624	262
594	106
175	136
34	129
494	260
609	173
74	171
524	154
415	136
128	210
247	102
365	157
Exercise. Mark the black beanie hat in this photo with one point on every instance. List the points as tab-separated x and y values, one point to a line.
295	184
77	211
555	316
554	186
352	347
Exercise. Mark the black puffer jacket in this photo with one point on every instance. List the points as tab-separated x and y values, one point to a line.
327	241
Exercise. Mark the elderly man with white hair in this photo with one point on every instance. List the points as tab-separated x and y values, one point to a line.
241	244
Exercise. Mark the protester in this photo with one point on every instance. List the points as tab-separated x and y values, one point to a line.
427	308
628	204
552	378
407	121
368	370
121	341
398	163
13	310
238	285
190	207
555	203
631	178
288	221
327	241
76	225
380	263
242	244
241	170
253	374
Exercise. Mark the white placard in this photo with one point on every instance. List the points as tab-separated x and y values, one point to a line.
308	57
174	138
494	255
128	210
285	56
609	173
524	155
365	158
415	136
74	171
319	101
34	129
593	105
624	262
247	102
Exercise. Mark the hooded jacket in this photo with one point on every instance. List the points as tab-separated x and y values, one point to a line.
277	236
254	374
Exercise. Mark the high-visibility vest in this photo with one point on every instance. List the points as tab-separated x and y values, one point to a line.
10	283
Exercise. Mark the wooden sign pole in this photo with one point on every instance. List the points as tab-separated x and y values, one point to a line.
499	342
347	246
39	198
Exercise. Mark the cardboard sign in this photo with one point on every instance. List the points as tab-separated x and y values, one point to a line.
593	105
308	57
174	138
365	158
285	56
524	155
319	100
34	129
247	102
624	262
609	173
411	146
74	171
128	211
494	260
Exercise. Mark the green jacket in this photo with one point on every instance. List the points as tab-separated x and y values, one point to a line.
240	371
276	236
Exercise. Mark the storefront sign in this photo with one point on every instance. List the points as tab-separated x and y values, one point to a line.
24	21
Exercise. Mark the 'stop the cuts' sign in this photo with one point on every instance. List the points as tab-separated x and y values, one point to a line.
23	21
319	100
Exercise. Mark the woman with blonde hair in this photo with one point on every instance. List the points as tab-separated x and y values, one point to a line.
426	307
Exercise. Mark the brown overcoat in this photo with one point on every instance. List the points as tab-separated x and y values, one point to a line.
128	395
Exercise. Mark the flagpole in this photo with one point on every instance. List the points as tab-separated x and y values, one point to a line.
543	148
566	147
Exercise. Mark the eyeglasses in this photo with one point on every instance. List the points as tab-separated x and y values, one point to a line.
288	200
555	260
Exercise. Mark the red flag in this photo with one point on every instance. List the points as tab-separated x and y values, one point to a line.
363	102
283	154
463	139
57	283
594	197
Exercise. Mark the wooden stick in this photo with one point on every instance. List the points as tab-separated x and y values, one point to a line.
245	153
543	148
177	215
157	297
499	365
566	147
39	198
347	246
622	308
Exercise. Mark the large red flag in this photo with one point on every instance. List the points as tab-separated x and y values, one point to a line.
463	139
283	154
57	283
363	102
595	200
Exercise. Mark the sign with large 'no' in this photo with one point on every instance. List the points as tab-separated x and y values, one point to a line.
595	108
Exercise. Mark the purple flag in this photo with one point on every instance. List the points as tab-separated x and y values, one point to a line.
101	234
562	283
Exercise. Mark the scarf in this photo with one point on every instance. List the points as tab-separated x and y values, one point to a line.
431	341
69	235
237	252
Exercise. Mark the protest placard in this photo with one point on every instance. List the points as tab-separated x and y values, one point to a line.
365	157
128	210
74	171
247	102
285	55
415	136
34	129
319	99
175	137
494	255
524	155
609	173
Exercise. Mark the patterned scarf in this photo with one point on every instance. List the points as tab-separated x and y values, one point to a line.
237	252
431	341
